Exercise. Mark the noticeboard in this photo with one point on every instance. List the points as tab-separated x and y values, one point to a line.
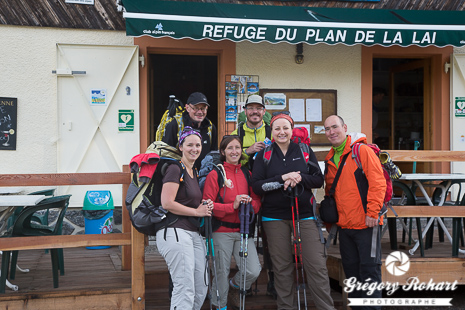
8	121
309	108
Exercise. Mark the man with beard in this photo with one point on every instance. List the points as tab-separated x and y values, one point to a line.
254	131
195	116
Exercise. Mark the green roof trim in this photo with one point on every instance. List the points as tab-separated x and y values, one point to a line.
257	23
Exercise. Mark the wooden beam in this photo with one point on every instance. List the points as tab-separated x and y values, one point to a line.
138	270
427	211
426	156
126	225
57	179
63	241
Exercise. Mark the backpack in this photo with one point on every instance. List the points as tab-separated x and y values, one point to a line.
386	166
143	198
241	131
175	110
300	135
241	118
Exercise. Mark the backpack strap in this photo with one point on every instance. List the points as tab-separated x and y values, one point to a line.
268	131
246	173
268	151
241	132
356	154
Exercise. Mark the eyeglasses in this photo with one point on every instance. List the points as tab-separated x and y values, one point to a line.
250	109
197	109
281	112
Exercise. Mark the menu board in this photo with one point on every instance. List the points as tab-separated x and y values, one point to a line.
8	121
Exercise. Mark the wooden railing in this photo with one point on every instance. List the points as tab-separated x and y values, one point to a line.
132	242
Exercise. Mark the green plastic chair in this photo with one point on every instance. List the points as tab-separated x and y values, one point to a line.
25	226
40	218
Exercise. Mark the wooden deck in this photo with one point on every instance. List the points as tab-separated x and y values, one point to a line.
94	277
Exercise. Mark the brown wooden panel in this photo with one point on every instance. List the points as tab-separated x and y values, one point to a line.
426	156
126	225
320	155
116	300
64	241
138	270
435	269
55	179
427	211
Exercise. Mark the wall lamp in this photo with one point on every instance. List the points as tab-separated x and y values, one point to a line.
299	57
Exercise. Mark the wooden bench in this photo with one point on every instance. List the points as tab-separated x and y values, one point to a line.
132	242
455	212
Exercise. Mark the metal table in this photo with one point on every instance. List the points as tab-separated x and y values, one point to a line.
423	180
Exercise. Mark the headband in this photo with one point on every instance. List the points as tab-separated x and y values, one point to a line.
187	132
285	116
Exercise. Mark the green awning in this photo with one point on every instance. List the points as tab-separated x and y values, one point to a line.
257	23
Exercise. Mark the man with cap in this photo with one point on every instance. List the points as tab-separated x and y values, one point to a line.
253	131
195	116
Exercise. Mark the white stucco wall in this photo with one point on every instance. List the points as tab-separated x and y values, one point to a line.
325	67
27	58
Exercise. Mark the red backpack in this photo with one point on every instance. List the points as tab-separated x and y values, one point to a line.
376	150
300	135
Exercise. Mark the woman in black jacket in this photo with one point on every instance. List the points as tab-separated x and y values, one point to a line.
281	171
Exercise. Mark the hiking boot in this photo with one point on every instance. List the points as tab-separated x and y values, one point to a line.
394	171
234	298
270	290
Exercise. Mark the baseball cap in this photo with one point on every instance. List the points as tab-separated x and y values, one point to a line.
196	98
255	99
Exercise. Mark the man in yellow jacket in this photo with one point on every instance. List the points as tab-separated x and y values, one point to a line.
253	131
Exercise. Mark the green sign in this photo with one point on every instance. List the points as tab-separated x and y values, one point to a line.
312	25
125	120
460	106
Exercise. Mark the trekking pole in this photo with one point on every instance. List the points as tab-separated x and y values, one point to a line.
209	233
298	240
248	220
242	254
209	294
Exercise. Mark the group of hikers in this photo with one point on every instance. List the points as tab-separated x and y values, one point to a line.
278	188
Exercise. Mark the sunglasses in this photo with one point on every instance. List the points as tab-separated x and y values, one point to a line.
227	136
281	112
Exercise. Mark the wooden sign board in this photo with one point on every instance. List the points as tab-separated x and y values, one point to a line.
309	108
8	122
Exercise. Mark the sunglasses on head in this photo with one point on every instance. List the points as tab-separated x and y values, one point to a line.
281	112
227	136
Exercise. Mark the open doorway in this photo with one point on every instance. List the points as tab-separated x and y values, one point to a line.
181	75
401	104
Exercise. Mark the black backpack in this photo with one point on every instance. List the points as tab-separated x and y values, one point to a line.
143	198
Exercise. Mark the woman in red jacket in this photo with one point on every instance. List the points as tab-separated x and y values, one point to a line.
227	238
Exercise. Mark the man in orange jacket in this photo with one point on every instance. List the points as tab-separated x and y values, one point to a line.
359	196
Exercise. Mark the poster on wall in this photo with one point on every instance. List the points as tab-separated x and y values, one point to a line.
8	122
231	113
98	97
275	101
